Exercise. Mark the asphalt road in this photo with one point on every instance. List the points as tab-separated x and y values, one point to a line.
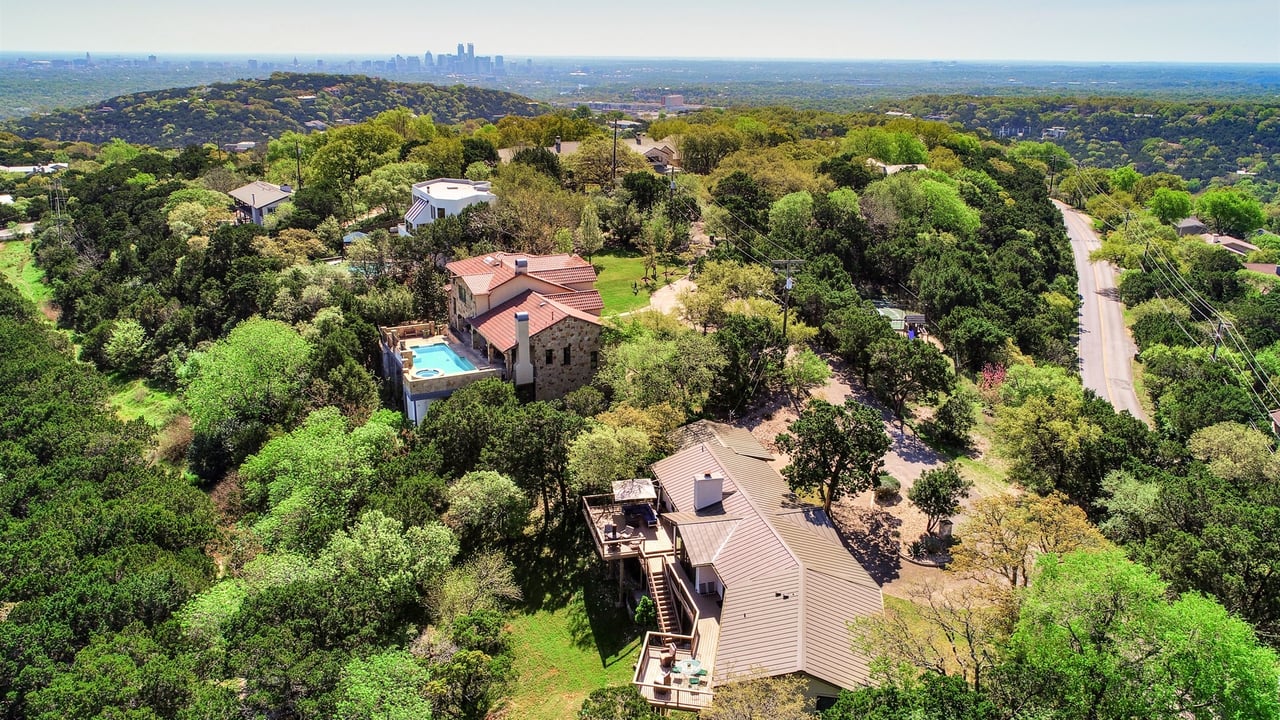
1106	350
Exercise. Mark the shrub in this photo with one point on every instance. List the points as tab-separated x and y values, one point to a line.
887	487
955	419
646	612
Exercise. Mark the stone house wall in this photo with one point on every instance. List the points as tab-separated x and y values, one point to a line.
554	380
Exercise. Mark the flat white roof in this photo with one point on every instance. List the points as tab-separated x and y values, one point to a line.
450	189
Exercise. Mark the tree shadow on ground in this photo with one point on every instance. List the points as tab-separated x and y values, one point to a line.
871	535
549	563
596	621
556	567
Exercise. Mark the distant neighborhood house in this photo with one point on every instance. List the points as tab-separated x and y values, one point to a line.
894	169
1191	226
661	154
34	169
748	581
444	197
257	200
1231	244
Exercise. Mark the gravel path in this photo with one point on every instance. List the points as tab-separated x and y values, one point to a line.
876	533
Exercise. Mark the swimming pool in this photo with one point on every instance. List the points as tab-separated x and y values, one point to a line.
440	357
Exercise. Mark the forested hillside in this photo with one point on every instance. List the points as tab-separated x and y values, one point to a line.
287	546
260	109
1198	140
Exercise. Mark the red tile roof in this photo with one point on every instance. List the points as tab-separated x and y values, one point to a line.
498	326
495	269
585	300
567	276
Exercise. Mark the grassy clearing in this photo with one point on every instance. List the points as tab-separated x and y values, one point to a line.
19	268
568	638
618	272
134	399
559	663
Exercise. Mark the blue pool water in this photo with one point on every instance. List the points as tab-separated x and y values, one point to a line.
440	357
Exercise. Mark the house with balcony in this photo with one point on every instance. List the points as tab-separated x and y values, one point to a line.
747	580
537	317
444	197
257	200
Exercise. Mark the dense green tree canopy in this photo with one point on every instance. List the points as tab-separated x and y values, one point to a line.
835	450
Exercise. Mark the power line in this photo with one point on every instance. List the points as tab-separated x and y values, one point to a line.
1173	279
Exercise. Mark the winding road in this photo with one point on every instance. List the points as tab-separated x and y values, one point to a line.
1106	350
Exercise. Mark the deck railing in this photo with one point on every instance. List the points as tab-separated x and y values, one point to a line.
592	507
678	696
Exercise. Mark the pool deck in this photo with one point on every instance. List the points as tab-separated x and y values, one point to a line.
448	381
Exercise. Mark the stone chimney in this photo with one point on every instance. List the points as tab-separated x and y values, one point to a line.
522	368
708	490
522	266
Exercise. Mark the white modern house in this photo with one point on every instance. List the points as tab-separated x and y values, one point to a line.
444	197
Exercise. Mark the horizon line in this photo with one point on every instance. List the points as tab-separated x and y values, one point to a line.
695	58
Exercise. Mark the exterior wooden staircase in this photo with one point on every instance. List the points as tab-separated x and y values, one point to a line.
661	594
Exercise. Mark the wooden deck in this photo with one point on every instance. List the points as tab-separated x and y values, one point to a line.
664	689
617	540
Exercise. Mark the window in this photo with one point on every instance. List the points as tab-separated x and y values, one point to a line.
551	356
566	356
595	359
439	213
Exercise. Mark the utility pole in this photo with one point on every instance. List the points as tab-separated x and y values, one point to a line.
786	305
297	153
671	204
790	283
1217	338
613	178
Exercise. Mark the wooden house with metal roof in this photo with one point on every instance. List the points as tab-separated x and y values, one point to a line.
747	580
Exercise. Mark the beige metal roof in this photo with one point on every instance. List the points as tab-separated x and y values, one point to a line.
737	439
829	604
791	586
705	539
760	627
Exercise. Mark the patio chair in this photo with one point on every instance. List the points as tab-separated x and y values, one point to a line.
694	681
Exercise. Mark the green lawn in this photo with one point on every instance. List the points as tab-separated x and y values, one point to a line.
20	270
618	272
134	399
568	638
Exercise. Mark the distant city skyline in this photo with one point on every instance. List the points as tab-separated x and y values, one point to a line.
1191	31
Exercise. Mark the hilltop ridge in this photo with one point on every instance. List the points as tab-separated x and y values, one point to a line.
258	109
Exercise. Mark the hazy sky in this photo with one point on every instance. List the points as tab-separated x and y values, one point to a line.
1079	30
